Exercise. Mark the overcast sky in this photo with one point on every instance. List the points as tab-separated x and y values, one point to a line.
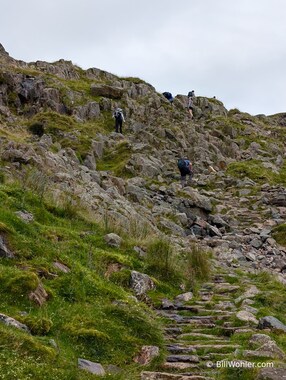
232	49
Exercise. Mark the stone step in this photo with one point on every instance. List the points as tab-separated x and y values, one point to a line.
213	345
202	330
180	349
173	330
218	278
179	366
226	288
216	311
201	335
194	324
188	319
212	355
170	376
219	314
191	308
182	359
228	331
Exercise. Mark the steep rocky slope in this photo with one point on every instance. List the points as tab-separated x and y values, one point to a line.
58	142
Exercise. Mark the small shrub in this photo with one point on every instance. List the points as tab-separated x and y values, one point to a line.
279	234
37	326
161	259
67	206
252	169
23	283
121	278
197	265
37	129
130	229
233	111
34	180
25	344
86	333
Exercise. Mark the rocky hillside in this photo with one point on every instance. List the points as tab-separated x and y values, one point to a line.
97	235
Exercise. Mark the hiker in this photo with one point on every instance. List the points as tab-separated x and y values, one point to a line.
119	118
186	168
168	96
191	97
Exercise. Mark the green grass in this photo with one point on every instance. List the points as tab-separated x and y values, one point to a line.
252	169
272	299
197	266
87	314
134	80
279	234
69	132
115	159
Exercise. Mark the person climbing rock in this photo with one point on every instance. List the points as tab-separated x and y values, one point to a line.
168	96
119	119
186	168
191	97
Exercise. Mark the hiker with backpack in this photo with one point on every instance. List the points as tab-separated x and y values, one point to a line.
191	97
119	118
168	96
186	168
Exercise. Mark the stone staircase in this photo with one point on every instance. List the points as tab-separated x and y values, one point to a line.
198	335
244	212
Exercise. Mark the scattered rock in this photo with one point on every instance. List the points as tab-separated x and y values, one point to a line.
39	296
95	368
147	354
167	305
272	374
267	350
113	240
272	323
4	251
185	297
106	91
141	283
62	267
246	316
9	321
259	339
25	216
251	292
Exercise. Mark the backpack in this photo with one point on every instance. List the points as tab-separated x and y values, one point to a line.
118	115
168	95
191	94
181	163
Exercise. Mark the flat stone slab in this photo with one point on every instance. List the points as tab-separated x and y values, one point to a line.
183	358
95	368
272	323
9	321
180	349
215	346
201	335
173	330
179	365
226	288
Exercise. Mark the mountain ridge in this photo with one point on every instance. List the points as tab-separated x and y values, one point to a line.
59	150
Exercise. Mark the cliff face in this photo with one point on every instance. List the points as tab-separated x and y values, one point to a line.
57	140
